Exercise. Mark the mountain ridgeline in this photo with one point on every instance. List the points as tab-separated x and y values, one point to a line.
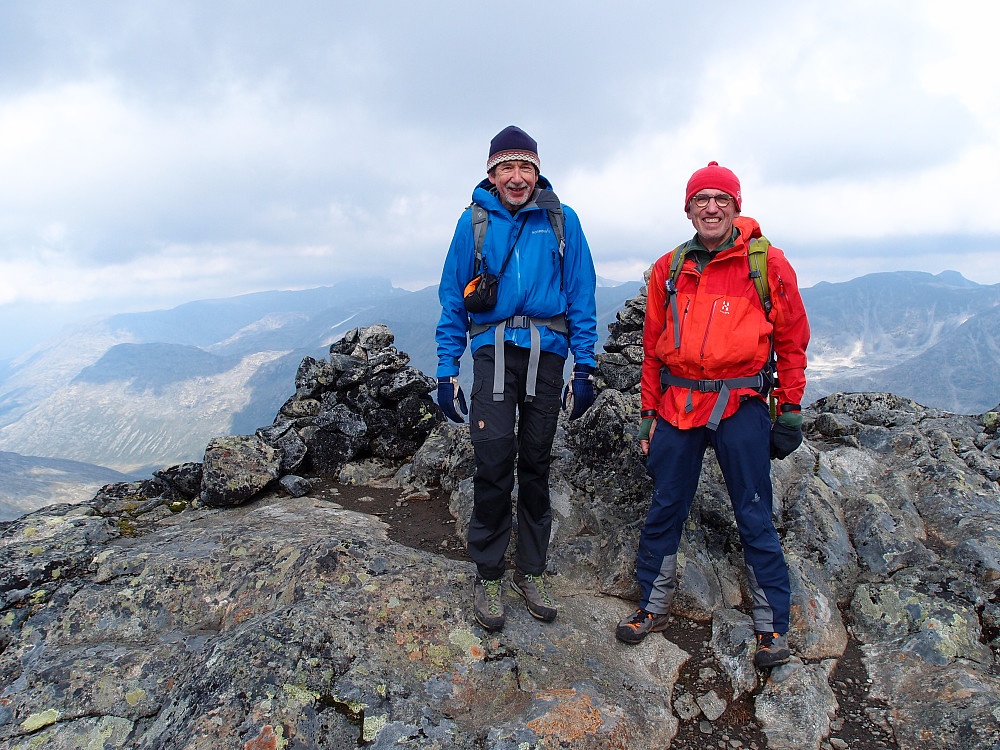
139	391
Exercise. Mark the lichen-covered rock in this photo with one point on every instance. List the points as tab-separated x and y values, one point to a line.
733	643
185	478
295	618
796	706
237	468
132	497
285	438
295	486
313	376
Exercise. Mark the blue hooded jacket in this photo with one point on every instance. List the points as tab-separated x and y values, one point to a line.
530	285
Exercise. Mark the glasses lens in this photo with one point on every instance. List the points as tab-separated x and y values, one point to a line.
720	200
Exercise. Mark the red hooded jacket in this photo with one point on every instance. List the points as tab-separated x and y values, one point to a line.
724	332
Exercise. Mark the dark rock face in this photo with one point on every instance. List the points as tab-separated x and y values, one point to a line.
184	478
146	619
365	401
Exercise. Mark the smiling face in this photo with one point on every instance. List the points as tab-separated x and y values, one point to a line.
713	223
515	182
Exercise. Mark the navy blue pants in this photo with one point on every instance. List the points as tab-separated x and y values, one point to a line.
503	433
742	447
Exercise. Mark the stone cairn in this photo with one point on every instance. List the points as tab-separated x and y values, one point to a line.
365	401
620	366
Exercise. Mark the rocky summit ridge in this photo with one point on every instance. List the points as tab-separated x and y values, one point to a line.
220	604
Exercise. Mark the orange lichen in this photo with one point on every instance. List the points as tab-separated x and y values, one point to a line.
571	717
265	740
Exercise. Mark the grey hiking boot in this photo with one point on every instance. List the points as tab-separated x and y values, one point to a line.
486	603
532	588
772	650
634	628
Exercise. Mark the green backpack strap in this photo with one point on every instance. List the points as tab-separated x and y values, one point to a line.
757	257
676	262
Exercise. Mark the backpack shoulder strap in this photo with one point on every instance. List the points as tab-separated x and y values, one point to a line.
757	257
558	221
676	262
480	221
670	301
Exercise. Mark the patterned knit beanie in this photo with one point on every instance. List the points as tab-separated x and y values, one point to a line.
714	177
512	144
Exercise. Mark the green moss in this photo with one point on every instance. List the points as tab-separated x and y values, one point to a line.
127	527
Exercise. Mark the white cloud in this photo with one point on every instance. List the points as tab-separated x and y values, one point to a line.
175	151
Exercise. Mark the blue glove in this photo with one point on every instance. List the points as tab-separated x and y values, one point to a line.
786	433
451	399
579	394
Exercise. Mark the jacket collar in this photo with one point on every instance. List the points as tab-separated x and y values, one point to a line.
485	194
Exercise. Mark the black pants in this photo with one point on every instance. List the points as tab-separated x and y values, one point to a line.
492	426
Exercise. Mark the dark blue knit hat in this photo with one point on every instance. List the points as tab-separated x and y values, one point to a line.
512	144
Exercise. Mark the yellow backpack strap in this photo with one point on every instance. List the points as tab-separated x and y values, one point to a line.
757	257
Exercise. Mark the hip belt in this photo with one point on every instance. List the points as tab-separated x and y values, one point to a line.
557	324
758	382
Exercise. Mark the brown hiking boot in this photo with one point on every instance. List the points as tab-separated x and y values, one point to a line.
486	603
532	588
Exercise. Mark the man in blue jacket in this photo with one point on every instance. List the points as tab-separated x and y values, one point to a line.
542	307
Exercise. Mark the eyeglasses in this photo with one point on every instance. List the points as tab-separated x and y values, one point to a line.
722	200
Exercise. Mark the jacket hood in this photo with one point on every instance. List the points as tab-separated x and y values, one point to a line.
749	228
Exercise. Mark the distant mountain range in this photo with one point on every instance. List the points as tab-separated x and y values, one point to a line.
140	391
933	339
144	390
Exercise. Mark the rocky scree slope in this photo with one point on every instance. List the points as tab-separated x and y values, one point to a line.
219	605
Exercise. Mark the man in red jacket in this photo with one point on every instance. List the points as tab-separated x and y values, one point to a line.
705	377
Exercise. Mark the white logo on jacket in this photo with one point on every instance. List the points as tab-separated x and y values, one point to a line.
725	306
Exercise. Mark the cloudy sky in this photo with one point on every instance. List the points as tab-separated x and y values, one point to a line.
158	152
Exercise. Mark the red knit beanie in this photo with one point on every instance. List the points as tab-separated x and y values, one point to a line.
714	177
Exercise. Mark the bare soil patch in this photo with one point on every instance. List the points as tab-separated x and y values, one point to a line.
416	521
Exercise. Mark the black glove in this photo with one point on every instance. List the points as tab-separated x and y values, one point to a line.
579	394
786	433
451	399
